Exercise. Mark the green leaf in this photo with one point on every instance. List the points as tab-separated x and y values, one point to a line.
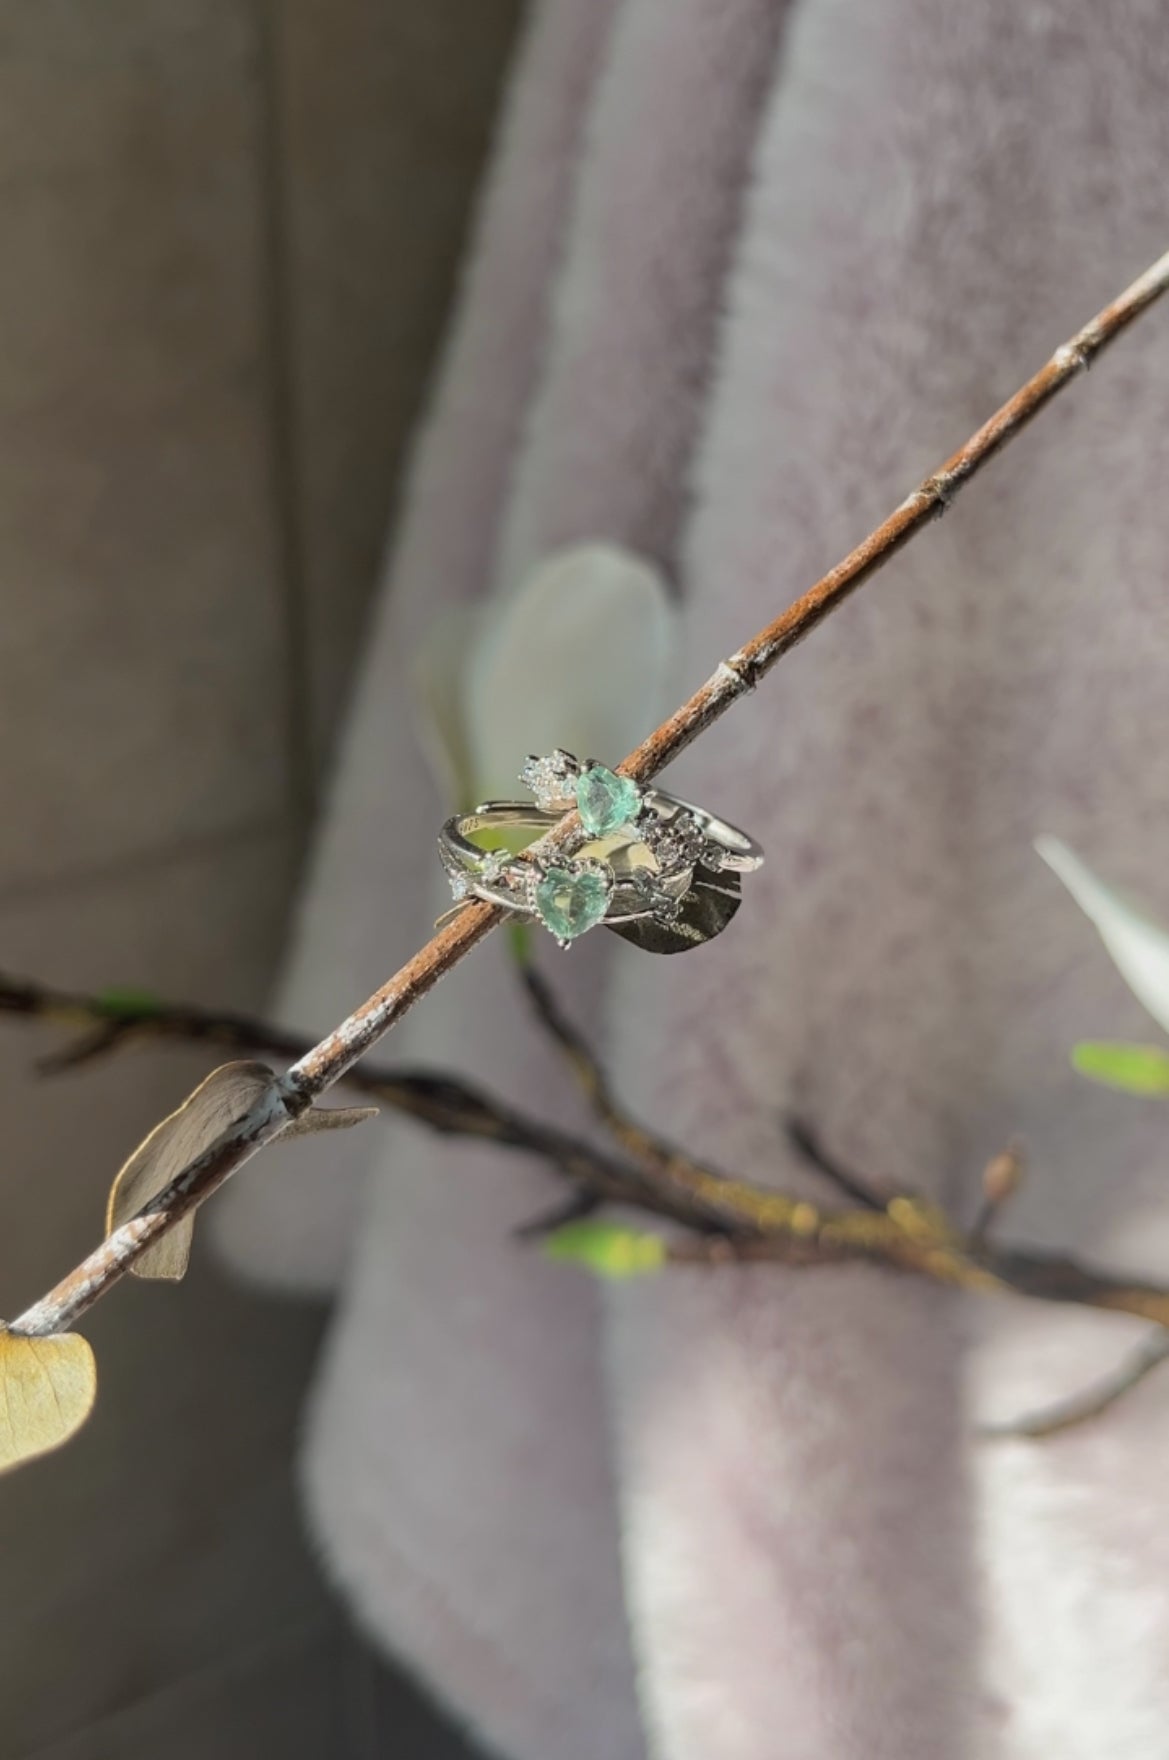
519	941
607	1249
1136	1069
118	1002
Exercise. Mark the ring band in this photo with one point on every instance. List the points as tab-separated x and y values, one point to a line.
606	800
569	894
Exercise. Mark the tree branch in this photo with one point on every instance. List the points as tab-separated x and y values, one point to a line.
1093	1403
312	1074
731	1220
110	1022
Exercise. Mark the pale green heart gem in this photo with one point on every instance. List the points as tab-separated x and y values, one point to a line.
605	800
570	901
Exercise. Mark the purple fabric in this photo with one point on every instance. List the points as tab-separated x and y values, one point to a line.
821	1562
744	365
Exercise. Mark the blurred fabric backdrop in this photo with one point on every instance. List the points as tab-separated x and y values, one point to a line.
228	236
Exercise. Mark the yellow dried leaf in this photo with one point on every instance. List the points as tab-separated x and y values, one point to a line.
216	1104
47	1389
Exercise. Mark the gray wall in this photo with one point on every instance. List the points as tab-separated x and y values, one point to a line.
228	232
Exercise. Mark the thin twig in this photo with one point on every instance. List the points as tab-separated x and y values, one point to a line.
860	1189
571	1209
650	1151
87	1048
326	1063
895	1226
446	1103
731	1220
1082	1407
743	670
663	1162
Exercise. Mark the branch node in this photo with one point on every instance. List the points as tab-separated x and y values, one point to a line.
942	488
736	669
1074	356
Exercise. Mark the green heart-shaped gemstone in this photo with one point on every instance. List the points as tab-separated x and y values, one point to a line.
571	900
605	800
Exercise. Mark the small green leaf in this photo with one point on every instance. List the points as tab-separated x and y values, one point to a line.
1136	1069
126	1002
606	1249
519	940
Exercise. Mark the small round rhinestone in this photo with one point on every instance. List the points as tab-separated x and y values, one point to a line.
676	843
552	780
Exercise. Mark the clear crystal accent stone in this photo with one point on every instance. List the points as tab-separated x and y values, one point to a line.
676	843
552	780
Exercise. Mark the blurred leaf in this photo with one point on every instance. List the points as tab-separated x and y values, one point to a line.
47	1390
519	941
579	655
607	1249
438	673
1138	945
118	1002
1136	1069
216	1104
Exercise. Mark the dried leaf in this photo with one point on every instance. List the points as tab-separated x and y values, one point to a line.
327	1118
1135	1069
47	1389
438	672
706	910
216	1104
607	1249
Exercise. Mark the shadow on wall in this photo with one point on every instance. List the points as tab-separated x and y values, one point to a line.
230	233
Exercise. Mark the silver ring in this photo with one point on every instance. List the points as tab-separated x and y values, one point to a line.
635	857
606	801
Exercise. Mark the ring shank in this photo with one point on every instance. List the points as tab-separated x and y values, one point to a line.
740	853
487	869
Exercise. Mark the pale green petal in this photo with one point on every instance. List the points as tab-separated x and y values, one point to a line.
606	1249
1139	946
1134	1069
580	655
438	677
